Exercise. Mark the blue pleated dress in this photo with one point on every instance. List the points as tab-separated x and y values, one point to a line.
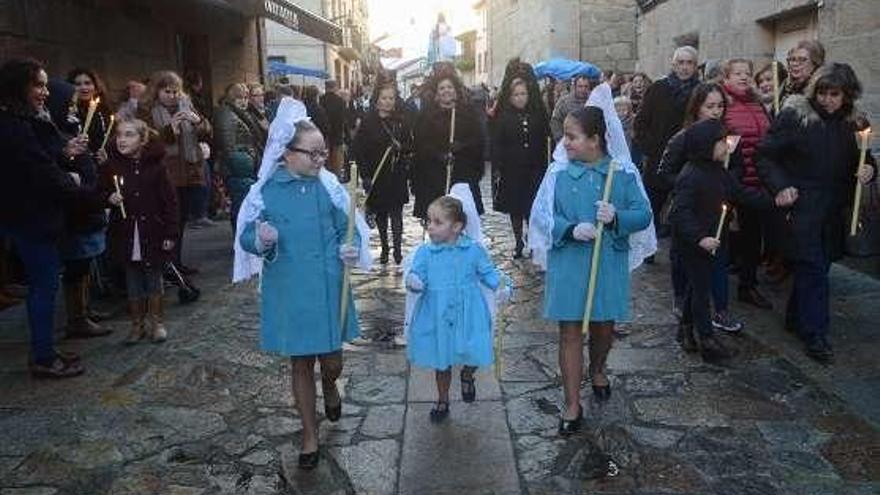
451	322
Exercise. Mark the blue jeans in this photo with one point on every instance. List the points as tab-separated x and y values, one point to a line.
43	266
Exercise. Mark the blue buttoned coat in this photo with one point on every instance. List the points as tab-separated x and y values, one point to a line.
578	187
302	274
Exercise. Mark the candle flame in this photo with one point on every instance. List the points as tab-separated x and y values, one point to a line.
723	207
865	132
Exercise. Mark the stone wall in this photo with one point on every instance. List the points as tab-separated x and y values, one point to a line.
130	40
599	31
608	34
849	29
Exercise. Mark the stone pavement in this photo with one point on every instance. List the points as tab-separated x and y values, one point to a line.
207	413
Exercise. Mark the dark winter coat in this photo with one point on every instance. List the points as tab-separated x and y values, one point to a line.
519	153
389	191
33	186
675	157
703	186
746	118
660	116
149	199
431	137
818	154
335	109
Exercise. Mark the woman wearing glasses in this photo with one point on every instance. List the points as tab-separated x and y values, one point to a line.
803	60
292	227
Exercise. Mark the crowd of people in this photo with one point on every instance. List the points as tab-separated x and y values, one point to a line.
770	150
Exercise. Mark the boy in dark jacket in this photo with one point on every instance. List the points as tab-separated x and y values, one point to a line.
702	189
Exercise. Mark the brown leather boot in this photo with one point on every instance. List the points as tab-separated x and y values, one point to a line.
136	309
76	303
157	326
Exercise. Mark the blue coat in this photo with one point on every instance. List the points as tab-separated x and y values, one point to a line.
578	187
302	274
451	323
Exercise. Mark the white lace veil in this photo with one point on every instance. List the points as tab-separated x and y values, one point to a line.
281	132
643	243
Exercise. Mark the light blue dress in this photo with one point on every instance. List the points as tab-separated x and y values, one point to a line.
451	323
302	274
578	187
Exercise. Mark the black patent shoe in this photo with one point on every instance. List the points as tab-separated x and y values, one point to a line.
820	351
602	392
309	461
571	426
439	412
383	256
468	387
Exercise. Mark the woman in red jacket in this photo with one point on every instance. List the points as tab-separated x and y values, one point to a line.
747	118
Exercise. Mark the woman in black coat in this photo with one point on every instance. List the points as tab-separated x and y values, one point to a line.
444	92
520	146
384	127
809	159
33	189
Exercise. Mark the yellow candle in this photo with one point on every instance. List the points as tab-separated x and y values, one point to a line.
721	222
449	161
107	133
93	105
775	87
865	136
117	181
732	142
349	239
597	248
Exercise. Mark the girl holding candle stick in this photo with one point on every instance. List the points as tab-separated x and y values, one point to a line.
562	233
810	160
135	181
292	227
704	191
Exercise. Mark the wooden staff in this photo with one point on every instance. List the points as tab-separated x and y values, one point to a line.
449	160
378	170
857	199
549	150
597	247
349	240
109	130
93	105
116	182
775	88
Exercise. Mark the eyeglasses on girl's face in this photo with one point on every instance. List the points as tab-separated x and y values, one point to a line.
319	155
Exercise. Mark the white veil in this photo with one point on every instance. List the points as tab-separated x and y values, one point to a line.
643	243
281	132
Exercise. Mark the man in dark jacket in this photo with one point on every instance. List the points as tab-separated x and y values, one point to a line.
334	107
660	117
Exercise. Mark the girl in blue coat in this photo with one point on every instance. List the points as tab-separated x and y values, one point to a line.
452	320
295	221
577	210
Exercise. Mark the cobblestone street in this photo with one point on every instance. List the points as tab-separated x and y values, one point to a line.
208	413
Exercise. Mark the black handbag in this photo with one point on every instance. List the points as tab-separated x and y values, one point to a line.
866	242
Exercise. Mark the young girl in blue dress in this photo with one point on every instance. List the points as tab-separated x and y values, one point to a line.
292	226
575	200
451	322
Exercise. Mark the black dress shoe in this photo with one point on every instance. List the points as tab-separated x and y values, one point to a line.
333	413
820	351
602	393
309	461
571	426
439	412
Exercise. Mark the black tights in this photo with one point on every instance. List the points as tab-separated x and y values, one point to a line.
396	217
516	221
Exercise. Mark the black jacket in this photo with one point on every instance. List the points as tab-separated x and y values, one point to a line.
431	137
703	186
334	108
660	116
519	153
33	187
818	154
373	138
